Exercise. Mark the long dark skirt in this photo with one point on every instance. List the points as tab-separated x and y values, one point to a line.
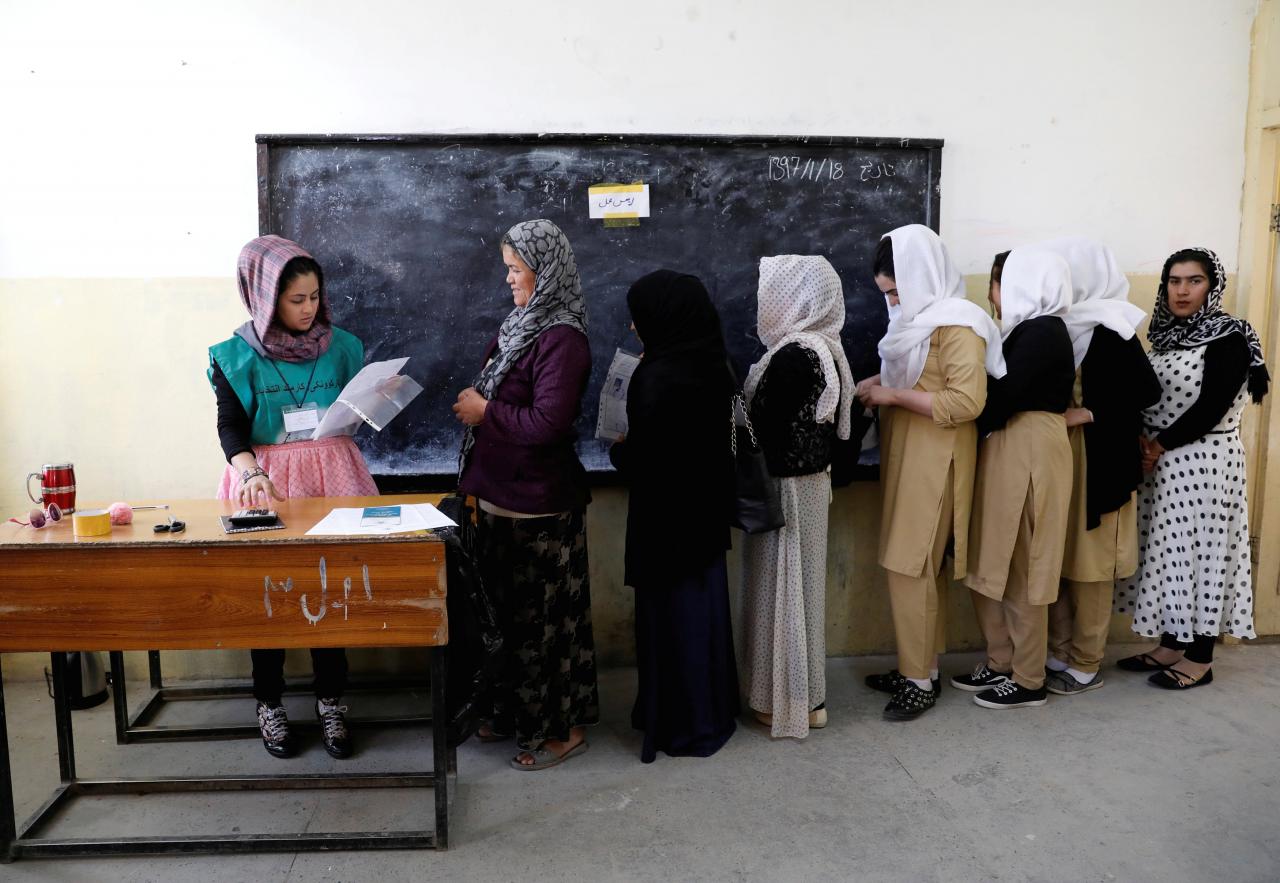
687	703
536	572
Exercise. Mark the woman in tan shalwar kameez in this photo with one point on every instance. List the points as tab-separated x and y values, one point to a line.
1023	484
1114	384
932	385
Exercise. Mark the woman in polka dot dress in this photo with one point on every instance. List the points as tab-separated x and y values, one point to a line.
1194	579
799	394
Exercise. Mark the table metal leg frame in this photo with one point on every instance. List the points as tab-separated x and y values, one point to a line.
26	842
140	727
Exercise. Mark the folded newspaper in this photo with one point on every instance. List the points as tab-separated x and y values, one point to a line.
611	424
374	396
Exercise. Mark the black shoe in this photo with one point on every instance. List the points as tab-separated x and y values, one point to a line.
333	727
893	681
1172	679
1011	694
909	702
1141	662
273	721
981	680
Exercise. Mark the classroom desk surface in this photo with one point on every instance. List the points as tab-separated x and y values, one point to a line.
205	589
203	526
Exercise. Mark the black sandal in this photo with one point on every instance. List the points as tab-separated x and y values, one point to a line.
1142	662
1172	679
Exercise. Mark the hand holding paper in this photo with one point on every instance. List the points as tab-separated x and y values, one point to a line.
375	395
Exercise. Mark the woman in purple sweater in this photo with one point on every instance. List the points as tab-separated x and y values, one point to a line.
518	460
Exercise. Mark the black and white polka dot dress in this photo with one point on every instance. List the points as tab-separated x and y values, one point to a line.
1194	574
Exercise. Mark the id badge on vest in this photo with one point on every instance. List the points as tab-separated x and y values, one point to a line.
300	421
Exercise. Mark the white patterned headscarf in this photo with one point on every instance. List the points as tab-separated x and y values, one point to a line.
1099	292
1033	283
930	296
556	300
801	301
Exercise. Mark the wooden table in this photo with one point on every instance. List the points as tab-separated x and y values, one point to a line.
206	590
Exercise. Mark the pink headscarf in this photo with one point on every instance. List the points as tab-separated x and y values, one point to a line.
258	271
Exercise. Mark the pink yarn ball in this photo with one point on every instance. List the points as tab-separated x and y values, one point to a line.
120	513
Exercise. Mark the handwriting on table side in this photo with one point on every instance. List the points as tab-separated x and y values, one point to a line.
269	585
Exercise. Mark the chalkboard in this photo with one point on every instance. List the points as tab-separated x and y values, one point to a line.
408	230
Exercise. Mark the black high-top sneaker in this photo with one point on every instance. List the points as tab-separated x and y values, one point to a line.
893	681
276	736
333	727
909	702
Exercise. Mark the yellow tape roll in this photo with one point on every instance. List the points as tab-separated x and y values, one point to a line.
91	523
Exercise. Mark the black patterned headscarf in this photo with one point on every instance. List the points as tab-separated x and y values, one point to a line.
1209	323
556	300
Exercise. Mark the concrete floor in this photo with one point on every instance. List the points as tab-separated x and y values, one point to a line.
1127	783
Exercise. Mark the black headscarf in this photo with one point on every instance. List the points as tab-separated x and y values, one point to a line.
678	410
675	318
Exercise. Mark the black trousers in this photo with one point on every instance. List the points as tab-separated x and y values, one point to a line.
328	663
1200	650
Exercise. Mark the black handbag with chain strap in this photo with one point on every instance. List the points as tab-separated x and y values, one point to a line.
757	504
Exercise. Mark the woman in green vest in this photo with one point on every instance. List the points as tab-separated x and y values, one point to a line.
274	378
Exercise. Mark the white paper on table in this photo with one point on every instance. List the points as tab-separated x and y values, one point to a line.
413	516
611	422
618	201
374	396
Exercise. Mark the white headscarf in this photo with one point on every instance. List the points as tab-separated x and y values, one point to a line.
1033	283
930	296
1099	292
801	301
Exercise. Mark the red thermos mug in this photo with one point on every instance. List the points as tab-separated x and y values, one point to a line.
57	485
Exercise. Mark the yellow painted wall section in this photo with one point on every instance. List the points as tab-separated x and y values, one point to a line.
109	374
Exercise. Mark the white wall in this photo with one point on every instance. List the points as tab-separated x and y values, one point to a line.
127	146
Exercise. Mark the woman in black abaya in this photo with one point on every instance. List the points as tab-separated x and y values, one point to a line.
676	462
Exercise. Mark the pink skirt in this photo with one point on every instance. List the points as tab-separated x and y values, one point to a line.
330	467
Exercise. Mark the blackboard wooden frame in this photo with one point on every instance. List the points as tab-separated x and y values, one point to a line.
267	143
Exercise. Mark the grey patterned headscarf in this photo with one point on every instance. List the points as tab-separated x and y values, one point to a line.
557	300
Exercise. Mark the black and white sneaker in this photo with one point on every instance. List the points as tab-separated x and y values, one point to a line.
333	727
1011	694
980	680
909	702
893	681
273	722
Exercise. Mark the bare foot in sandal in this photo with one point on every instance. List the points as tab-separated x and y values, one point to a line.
577	736
486	733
